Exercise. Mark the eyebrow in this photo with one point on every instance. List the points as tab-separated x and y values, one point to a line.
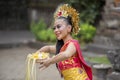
57	25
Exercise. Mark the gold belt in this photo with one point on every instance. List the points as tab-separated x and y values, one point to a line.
75	74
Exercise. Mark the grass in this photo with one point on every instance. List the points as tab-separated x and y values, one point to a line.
101	60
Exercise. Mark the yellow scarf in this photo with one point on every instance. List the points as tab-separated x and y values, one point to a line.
31	66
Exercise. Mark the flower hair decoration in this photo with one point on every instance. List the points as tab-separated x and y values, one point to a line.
66	10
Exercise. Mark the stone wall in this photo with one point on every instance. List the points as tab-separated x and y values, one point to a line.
42	9
18	14
36	13
110	23
13	14
107	40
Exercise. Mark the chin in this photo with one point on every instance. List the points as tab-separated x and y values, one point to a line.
59	38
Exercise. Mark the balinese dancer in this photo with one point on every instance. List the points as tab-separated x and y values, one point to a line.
68	58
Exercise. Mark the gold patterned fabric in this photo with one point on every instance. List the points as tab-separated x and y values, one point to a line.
74	74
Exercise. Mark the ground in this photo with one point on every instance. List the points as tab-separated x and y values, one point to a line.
12	65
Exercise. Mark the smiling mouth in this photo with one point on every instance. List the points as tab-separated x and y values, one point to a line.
57	35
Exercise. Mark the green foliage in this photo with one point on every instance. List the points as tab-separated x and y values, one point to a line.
87	32
46	35
51	35
42	35
36	27
89	9
41	32
101	60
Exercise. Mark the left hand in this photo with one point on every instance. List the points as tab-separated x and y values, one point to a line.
44	63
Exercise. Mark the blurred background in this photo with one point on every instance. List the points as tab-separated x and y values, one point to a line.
25	26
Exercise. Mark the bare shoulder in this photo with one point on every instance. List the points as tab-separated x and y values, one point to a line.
71	48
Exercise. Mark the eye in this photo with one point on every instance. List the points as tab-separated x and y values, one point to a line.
53	28
58	26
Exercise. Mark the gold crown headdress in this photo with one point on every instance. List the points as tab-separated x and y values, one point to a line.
64	11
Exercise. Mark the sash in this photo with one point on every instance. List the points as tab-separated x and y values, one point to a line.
81	59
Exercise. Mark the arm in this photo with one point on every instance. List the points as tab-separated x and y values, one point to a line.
49	49
71	50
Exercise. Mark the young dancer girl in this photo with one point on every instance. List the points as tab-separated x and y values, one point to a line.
68	57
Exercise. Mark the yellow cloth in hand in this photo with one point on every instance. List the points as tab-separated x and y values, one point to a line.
31	66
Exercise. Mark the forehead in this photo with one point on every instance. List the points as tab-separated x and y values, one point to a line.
59	21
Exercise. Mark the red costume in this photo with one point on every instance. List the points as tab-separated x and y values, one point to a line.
74	68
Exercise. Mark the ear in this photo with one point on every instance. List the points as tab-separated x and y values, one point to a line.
69	28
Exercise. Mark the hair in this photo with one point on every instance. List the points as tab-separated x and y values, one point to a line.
59	45
67	20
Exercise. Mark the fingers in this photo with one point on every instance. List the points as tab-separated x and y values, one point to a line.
44	63
39	61
42	67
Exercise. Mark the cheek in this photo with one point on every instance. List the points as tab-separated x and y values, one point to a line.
64	33
62	30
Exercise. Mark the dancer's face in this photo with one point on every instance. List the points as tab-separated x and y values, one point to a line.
61	28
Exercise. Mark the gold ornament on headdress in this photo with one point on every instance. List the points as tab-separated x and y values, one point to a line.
64	11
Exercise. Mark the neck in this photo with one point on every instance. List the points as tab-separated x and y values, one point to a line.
69	37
